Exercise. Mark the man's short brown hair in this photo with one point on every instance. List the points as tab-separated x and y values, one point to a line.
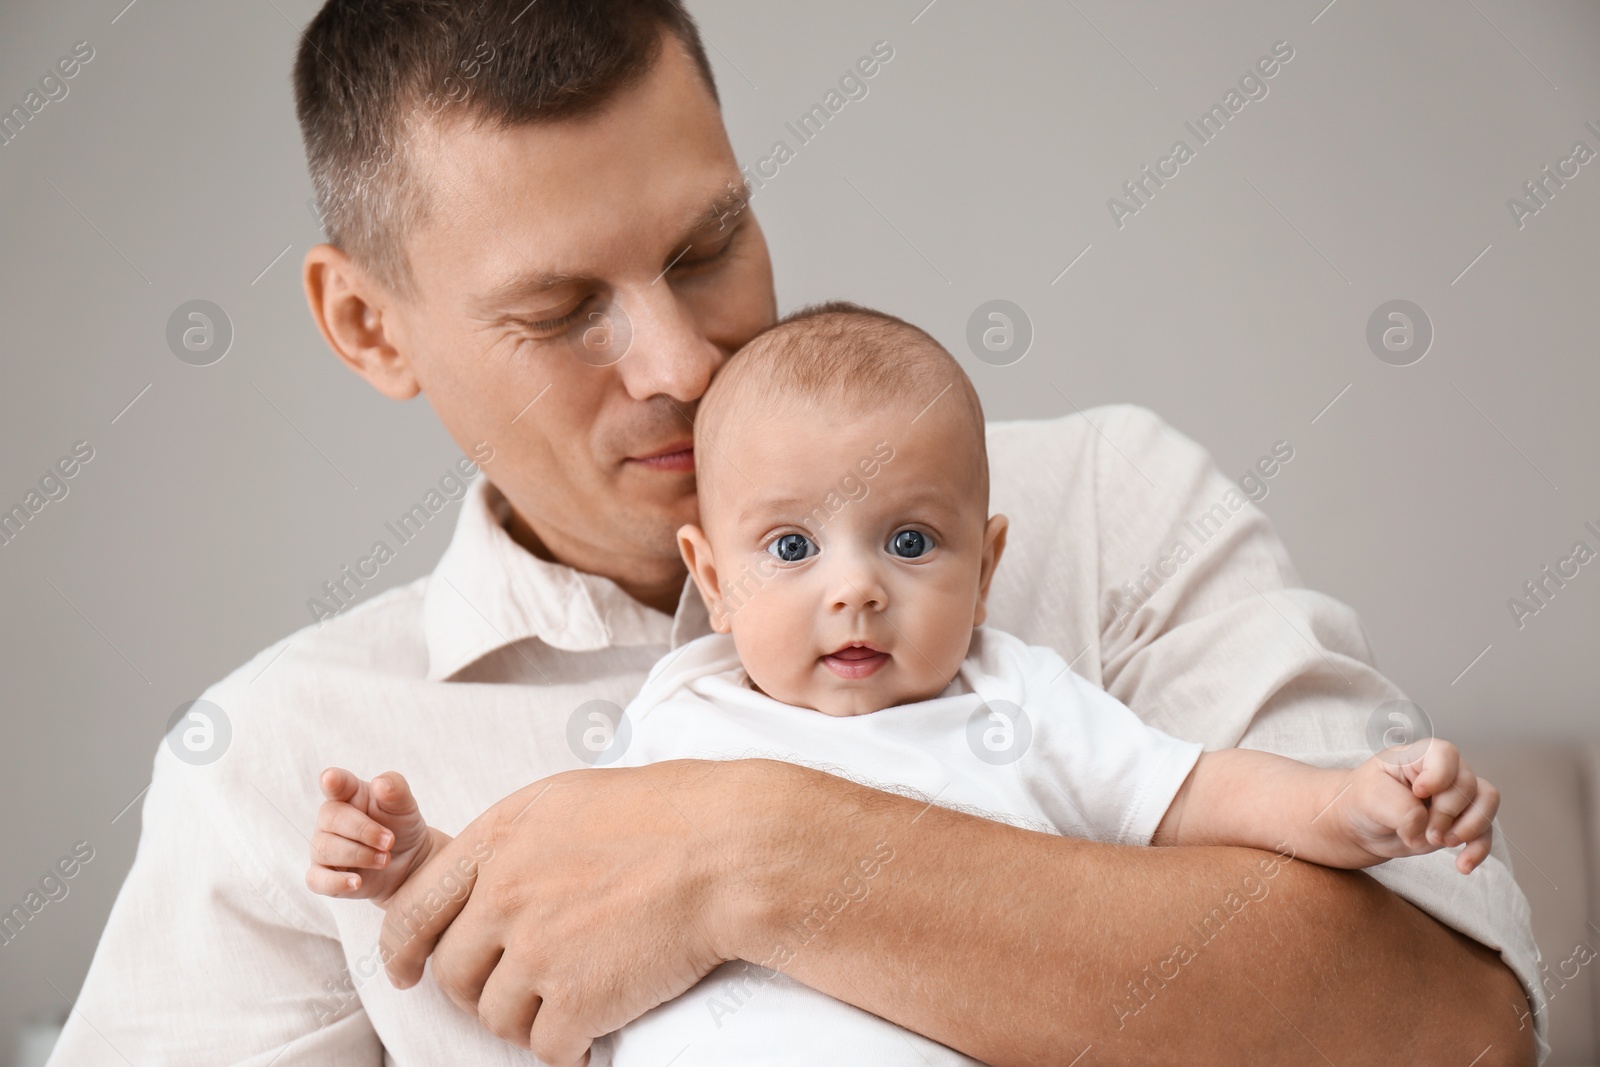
370	73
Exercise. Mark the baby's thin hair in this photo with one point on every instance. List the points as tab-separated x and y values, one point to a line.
840	353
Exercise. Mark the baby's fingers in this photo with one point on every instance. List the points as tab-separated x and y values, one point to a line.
1450	802
339	784
1476	852
1392	806
1479	816
342	820
1440	765
332	850
393	794
329	883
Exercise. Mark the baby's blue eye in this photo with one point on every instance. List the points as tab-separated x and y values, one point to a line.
909	544
792	548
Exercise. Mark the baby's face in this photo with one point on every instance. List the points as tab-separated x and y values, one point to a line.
849	555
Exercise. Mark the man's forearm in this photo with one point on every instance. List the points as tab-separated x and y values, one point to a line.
1024	948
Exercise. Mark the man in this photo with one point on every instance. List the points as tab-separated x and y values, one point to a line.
536	223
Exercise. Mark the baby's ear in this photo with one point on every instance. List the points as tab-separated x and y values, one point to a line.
696	553
994	543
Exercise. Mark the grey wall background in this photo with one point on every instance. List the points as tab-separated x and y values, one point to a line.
978	167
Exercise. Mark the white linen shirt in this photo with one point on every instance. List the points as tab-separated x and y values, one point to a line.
1016	736
216	953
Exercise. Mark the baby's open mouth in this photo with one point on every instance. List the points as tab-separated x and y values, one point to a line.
856	660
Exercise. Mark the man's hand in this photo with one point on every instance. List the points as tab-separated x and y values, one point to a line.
597	901
600	894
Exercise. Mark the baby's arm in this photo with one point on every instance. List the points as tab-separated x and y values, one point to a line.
1402	802
370	836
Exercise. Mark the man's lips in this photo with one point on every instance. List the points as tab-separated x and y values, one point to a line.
856	660
678	456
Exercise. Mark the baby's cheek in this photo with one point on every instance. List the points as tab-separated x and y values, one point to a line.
773	654
947	645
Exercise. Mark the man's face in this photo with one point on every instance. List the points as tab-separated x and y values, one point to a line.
556	249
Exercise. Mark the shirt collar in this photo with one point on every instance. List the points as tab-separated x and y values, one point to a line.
489	592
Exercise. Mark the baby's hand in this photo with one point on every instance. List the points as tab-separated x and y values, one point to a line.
369	837
1418	798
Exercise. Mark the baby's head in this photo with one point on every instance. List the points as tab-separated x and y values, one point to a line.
844	501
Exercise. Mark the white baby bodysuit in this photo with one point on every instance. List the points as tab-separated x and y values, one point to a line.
1016	737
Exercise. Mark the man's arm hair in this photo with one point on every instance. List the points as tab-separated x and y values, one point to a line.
1019	948
1012	946
1024	948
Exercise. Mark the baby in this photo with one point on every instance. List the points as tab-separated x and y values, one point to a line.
845	552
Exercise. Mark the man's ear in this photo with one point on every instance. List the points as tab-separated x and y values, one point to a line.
358	319
994	543
696	552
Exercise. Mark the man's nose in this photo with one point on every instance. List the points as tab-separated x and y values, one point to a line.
668	353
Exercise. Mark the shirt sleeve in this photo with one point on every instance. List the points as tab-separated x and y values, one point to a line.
204	962
1093	767
1207	632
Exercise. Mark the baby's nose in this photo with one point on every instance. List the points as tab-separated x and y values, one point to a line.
859	588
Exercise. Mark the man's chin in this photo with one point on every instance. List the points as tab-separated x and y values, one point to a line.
654	531
671	507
